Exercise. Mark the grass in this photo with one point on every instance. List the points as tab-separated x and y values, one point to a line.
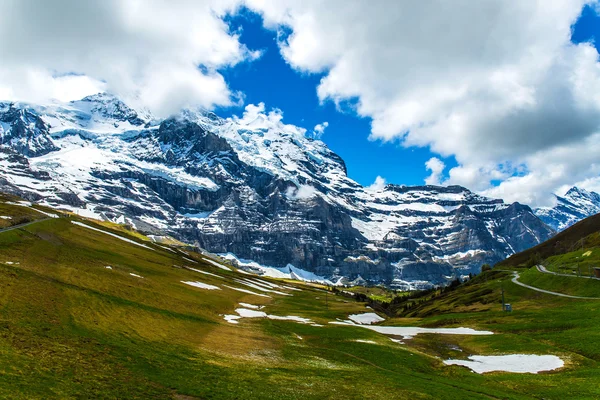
71	328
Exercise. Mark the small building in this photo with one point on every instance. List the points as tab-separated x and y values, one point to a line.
507	307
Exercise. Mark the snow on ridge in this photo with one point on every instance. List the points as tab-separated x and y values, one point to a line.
201	285
112	234
288	272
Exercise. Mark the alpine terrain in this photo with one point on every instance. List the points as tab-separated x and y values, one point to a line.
574	206
258	191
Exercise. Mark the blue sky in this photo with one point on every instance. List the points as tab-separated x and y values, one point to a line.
272	81
499	96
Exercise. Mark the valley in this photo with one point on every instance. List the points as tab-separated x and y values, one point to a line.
93	309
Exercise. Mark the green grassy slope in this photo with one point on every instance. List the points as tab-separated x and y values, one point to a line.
71	328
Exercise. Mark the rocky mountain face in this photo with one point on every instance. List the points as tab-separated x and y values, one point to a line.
570	208
254	188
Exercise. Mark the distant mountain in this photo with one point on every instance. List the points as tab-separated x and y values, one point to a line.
582	235
574	206
255	188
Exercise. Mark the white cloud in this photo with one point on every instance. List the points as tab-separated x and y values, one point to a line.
497	84
436	166
147	51
319	129
302	192
378	185
255	116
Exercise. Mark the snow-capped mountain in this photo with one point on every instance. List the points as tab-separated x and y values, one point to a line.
254	188
574	206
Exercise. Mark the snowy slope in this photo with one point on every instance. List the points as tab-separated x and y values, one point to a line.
253	187
570	208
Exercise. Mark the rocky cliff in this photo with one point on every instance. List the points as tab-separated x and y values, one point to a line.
252	187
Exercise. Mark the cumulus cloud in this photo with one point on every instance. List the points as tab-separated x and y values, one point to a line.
302	192
145	51
319	130
497	84
378	185
255	115
436	166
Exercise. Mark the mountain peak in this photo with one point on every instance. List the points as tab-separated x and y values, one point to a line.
576	204
574	191
255	187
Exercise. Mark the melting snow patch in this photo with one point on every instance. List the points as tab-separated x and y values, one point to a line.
408	332
5	217
46	213
291	288
201	285
251	306
136	275
257	286
204	272
112	234
246	291
365	341
366	318
19	203
232	319
288	272
517	363
246	313
108	267
216	264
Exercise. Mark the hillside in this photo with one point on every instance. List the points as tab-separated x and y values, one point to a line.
255	188
582	235
89	309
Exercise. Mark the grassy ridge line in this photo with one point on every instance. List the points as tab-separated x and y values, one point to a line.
582	234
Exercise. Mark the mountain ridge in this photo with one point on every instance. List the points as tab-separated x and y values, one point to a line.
575	205
258	188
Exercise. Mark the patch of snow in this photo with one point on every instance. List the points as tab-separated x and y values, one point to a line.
5	217
232	319
408	332
288	272
136	275
516	363
247	313
108	267
251	306
205	273
21	203
246	291
253	285
216	264
366	318
46	213
365	341
112	234
201	285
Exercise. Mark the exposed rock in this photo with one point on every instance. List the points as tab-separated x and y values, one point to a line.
259	189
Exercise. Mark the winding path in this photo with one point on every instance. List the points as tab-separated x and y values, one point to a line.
515	280
23	225
543	269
